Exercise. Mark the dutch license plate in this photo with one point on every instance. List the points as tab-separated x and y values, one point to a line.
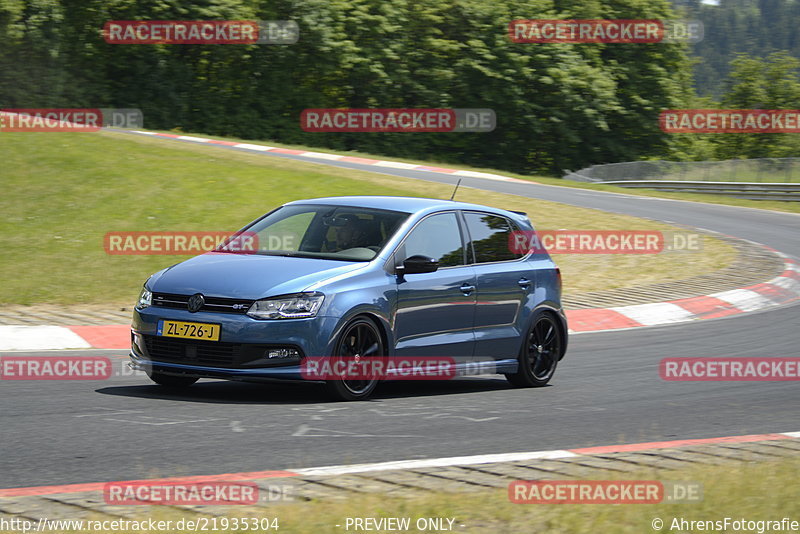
183	329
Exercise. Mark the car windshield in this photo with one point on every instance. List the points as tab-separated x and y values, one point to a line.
344	233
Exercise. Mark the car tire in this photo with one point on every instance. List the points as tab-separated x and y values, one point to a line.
172	381
359	338
539	354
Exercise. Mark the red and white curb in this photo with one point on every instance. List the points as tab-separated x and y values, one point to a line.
780	290
335	157
23	337
404	464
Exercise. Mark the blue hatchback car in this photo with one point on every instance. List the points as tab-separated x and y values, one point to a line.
360	276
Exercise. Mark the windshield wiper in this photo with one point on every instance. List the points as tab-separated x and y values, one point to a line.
272	253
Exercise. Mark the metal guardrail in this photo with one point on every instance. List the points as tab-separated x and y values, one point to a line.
761	170
749	190
757	179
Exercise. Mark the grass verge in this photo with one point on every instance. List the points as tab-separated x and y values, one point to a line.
751	491
757	492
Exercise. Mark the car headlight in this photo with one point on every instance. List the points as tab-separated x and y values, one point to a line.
145	299
287	307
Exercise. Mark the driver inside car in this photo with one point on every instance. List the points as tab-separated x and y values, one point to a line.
350	233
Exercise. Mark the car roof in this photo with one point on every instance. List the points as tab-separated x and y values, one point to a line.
404	204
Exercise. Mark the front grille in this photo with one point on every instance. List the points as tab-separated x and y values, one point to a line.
189	351
210	353
213	304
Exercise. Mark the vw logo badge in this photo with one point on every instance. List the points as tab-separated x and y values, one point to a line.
195	302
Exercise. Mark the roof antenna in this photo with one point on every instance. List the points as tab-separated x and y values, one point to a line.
456	189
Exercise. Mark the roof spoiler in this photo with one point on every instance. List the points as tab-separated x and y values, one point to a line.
519	213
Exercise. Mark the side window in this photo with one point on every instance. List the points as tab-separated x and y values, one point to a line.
438	237
490	236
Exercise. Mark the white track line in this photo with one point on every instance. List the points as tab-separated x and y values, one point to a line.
259	148
321	155
465	460
396	165
436	462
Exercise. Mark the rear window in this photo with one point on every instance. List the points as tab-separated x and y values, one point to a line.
490	235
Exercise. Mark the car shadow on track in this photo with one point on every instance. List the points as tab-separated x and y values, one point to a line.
229	392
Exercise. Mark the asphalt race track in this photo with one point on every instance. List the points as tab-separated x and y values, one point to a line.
607	390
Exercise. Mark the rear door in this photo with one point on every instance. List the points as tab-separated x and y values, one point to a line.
503	282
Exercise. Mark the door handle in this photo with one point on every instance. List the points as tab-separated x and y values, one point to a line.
524	283
467	289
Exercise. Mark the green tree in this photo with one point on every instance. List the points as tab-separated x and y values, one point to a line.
558	106
755	83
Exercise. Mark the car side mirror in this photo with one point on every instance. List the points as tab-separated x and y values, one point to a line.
418	264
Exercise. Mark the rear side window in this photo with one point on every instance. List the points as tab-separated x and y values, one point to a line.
490	236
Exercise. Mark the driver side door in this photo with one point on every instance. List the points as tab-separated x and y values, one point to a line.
435	311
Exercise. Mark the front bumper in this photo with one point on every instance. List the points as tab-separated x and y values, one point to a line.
288	372
241	352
